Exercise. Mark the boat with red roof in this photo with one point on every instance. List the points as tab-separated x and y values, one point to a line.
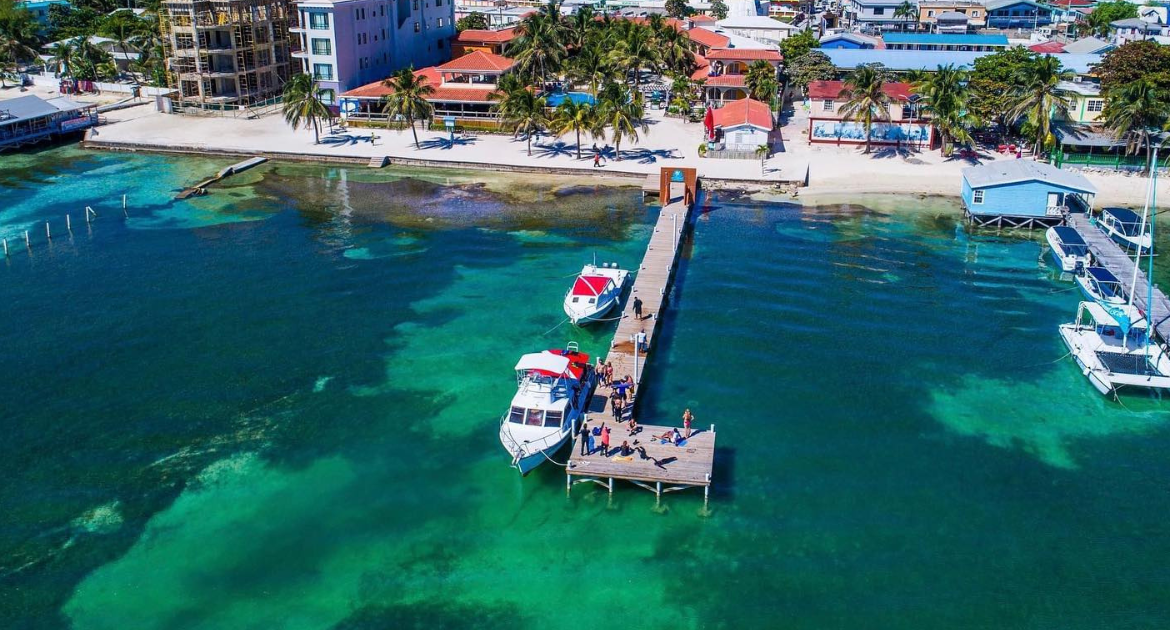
595	292
552	390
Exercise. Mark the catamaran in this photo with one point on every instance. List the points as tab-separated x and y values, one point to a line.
1069	250
552	390
1101	286
1113	348
595	292
1127	228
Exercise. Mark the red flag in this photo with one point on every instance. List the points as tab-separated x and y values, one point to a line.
709	122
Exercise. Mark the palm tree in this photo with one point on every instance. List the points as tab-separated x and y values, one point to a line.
945	94
573	117
761	81
675	50
539	46
61	54
865	99
581	28
590	66
621	112
13	51
1039	97
302	105
907	11
1135	113
523	111
408	99
634	51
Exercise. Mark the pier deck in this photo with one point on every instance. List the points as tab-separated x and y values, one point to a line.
1108	254
684	466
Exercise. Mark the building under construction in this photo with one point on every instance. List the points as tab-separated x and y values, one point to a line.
226	52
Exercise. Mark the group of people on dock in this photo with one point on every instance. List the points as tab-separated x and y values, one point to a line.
597	439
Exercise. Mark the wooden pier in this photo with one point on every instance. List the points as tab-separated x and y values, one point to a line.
1108	254
665	467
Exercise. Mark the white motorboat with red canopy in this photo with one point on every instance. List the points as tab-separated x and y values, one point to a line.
595	291
552	389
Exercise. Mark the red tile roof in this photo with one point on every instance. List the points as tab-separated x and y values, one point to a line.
704	67
727	80
478	61
744	54
477	36
707	38
1047	47
744	112
701	18
829	90
377	89
444	93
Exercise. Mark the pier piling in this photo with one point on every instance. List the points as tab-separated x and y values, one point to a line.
48	234
27	243
68	223
6	248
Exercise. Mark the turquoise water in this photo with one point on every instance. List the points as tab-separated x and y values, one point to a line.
275	407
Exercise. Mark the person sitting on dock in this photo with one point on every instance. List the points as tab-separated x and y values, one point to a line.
625	450
632	424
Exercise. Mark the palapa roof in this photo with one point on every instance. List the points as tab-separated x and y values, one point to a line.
745	111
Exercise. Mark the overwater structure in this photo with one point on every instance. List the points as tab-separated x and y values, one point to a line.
223	53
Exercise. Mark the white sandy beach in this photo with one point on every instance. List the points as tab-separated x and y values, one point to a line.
670	142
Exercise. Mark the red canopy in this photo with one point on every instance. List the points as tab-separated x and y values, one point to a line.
709	122
591	286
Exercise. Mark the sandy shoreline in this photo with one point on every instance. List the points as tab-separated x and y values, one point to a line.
829	171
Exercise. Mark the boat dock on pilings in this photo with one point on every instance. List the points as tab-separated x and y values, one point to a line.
1108	254
665	467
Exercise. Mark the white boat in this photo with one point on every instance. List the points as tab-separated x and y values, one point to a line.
1069	250
1111	345
552	389
595	292
1101	286
1127	228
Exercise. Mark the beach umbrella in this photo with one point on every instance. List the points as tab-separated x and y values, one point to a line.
709	123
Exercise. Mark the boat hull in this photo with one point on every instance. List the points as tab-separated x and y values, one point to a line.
1100	377
1086	287
581	319
529	463
1063	261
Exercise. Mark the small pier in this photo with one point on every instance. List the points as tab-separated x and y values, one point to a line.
1108	254
239	167
665	467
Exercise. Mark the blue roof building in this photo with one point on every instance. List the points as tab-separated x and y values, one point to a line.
944	41
903	60
1023	193
851	41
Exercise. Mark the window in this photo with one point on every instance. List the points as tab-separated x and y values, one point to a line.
440	44
440	22
975	13
323	71
328	97
438	3
417	28
516	415
1095	105
318	20
553	418
930	13
321	47
535	417
416	5
977	197
879	10
827	105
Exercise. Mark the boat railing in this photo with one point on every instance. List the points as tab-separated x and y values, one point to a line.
540	443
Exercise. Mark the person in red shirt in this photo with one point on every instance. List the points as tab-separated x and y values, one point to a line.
604	441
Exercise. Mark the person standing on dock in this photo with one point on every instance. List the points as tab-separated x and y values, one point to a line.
604	440
641	339
585	437
618	409
638	308
687	418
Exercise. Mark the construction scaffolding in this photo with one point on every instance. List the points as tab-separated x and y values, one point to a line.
223	53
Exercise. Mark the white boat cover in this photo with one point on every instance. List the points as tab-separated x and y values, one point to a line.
553	364
1106	317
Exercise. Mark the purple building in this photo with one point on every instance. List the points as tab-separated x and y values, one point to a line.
348	43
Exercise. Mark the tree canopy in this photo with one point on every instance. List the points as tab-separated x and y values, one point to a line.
1105	13
992	81
678	8
813	66
1133	61
796	46
472	21
719	9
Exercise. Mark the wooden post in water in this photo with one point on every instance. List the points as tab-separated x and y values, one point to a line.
89	211
48	234
6	248
68	223
26	241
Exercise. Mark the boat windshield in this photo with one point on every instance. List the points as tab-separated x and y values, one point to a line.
536	417
1125	221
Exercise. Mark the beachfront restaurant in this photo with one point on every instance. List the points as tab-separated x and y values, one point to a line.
462	92
1085	146
30	119
1023	193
